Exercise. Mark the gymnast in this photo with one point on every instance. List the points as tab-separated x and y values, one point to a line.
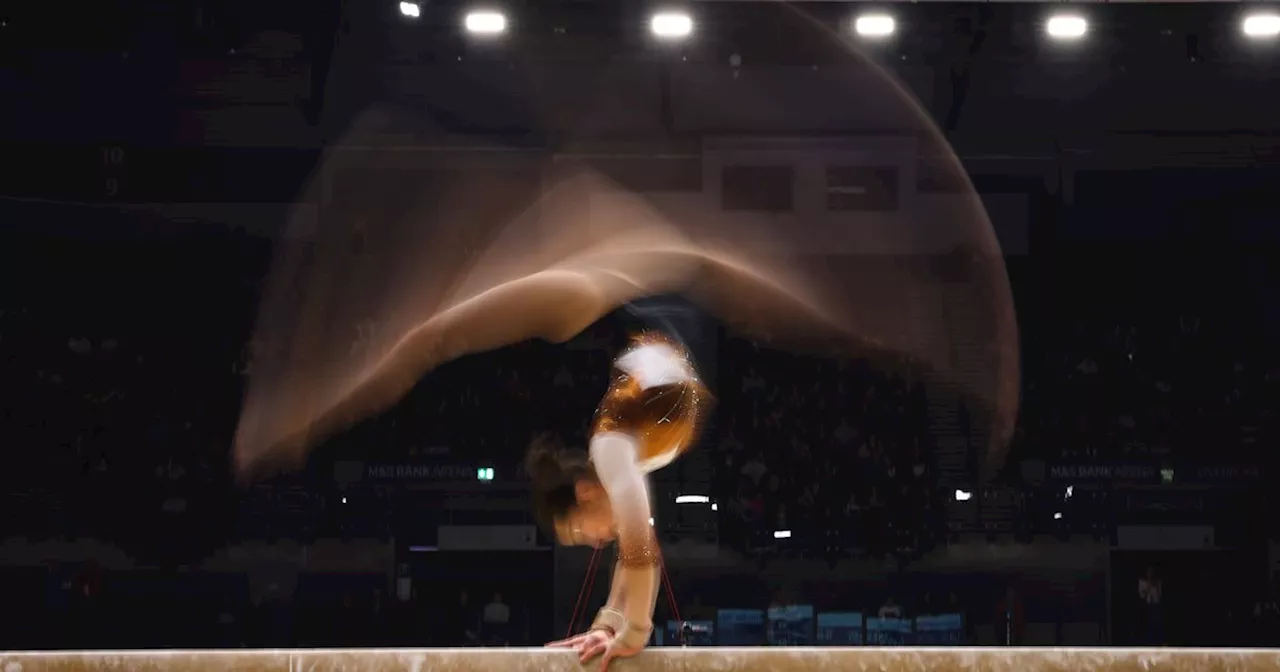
650	414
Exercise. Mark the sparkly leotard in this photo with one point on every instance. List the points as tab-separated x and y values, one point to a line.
656	397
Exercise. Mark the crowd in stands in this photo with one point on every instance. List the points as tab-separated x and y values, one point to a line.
807	447
120	391
1149	376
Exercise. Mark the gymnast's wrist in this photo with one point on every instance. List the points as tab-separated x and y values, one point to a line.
609	620
634	635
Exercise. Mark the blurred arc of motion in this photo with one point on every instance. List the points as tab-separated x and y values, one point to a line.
412	263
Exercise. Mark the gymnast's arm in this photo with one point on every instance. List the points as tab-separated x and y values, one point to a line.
617	598
635	581
610	617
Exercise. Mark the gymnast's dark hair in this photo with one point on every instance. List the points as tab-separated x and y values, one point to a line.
554	472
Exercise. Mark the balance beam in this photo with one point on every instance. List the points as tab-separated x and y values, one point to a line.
654	660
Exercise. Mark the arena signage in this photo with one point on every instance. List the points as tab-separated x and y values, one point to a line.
408	472
1154	474
1104	472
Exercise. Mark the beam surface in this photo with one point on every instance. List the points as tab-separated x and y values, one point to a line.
864	659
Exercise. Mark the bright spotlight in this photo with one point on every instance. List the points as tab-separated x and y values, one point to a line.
1067	27
875	25
671	25
1261	25
485	23
410	9
963	495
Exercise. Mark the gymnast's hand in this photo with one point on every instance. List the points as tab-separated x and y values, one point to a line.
617	649
588	645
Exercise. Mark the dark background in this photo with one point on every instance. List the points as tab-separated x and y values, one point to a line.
152	151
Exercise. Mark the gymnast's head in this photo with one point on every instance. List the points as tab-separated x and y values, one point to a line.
568	499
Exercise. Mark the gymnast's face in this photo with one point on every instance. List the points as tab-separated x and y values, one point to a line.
590	521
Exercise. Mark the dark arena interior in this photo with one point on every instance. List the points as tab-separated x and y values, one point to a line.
981	293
